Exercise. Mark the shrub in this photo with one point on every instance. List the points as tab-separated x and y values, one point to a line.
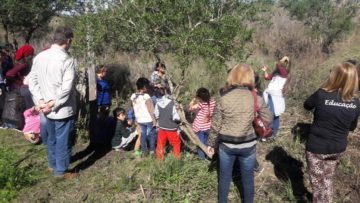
12	178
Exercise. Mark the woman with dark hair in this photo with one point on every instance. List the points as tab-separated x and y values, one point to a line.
336	112
204	106
233	131
158	81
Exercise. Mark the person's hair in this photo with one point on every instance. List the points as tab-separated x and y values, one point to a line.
142	82
203	94
352	61
343	78
240	75
100	68
62	34
158	64
286	64
117	111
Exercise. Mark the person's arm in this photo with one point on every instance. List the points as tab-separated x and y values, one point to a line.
123	132
310	103
355	121
156	112
150	107
216	123
67	85
34	86
175	114
14	72
267	76
194	105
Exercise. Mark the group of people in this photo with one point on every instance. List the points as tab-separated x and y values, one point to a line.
336	110
224	125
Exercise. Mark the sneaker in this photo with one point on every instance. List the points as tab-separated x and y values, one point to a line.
50	170
152	154
66	176
259	169
263	140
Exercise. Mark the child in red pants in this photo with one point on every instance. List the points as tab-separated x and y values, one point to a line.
168	123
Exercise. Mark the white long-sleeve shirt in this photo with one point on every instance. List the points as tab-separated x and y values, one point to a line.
52	77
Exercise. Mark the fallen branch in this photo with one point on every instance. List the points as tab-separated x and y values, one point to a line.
185	125
142	191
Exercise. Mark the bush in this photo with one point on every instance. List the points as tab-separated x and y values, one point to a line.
12	178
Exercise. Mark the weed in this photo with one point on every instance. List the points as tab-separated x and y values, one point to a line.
346	164
12	178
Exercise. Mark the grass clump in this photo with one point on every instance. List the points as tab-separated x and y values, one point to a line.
12	177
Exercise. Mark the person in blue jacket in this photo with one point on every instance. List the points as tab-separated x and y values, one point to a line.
102	87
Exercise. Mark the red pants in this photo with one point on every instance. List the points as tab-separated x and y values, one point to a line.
163	137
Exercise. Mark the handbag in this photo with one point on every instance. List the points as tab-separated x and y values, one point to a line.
261	127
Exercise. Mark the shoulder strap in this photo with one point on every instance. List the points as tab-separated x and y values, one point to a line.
256	106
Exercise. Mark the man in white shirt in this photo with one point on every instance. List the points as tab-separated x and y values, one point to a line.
52	84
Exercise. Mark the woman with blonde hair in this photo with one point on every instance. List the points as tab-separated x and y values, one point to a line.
276	90
233	130
336	112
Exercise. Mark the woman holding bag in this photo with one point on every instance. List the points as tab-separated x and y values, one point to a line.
232	128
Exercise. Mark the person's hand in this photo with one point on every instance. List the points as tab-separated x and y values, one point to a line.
211	151
264	68
40	105
154	124
48	107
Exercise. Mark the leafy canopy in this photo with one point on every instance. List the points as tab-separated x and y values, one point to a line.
212	30
24	16
329	20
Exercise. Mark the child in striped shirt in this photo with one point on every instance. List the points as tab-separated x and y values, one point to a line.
204	106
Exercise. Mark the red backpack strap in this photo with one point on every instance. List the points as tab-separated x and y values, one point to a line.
256	106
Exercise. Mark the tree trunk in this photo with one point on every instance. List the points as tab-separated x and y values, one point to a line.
185	125
6	34
29	34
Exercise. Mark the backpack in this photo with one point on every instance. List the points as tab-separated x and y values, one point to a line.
14	106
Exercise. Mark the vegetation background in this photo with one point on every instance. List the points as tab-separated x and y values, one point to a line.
198	41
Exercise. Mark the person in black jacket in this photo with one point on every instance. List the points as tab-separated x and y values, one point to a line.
336	112
120	131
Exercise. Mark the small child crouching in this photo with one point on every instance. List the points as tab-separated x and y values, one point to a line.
32	126
123	135
168	123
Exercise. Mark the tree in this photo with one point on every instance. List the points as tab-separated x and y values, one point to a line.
329	20
25	17
214	31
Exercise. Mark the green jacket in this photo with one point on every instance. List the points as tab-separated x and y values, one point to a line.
120	132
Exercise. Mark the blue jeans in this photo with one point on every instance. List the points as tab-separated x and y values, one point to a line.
147	134
203	137
246	159
59	148
276	120
43	130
